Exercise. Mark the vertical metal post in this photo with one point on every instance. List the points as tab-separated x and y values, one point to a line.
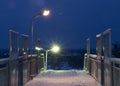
85	62
88	47
13	63
38	57
46	55
99	58
25	74
88	54
32	38
99	45
10	41
107	56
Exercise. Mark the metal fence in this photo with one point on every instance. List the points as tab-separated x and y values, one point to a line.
93	65
115	69
26	70
96	68
104	69
19	68
4	72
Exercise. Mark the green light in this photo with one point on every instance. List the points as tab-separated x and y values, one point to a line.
55	48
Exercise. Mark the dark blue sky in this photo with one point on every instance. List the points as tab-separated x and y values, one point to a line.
71	21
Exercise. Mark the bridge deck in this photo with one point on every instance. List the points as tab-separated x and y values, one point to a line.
63	78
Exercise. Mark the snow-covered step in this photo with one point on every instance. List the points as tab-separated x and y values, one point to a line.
63	78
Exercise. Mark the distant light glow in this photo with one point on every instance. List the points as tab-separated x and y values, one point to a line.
24	52
38	48
46	12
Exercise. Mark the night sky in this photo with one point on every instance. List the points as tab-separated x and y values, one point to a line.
70	23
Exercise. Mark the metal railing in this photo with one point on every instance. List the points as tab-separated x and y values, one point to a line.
26	68
4	70
96	69
100	68
115	70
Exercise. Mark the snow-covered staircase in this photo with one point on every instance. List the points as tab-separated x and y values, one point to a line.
63	78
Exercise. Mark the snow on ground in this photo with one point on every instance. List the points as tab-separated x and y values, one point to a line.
63	78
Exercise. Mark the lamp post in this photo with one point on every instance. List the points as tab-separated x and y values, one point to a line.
54	49
43	13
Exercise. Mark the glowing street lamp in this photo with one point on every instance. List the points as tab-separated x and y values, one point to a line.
54	49
43	13
46	13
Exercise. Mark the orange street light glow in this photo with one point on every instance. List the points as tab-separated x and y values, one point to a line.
46	12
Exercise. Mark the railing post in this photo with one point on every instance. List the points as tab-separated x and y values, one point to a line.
25	72
87	62
100	66
20	71
13	63
107	56
88	55
38	57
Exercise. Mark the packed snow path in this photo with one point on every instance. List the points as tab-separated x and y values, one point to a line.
63	78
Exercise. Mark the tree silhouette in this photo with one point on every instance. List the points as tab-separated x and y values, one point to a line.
116	49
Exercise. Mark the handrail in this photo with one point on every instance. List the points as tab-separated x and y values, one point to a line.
93	56
24	68
115	71
96	68
19	57
4	59
2	68
115	60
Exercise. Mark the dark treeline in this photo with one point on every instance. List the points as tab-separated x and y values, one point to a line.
116	50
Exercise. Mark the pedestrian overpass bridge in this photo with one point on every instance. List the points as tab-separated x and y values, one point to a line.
27	69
